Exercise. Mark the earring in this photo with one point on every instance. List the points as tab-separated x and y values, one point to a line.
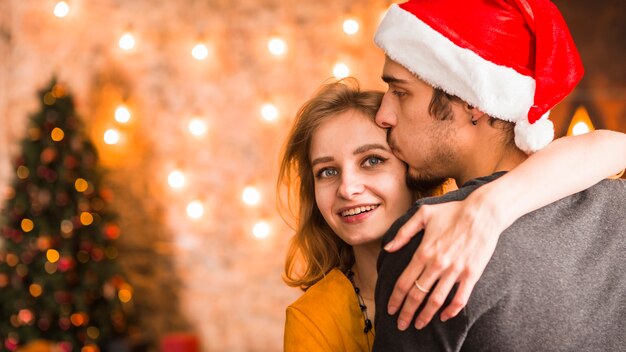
474	122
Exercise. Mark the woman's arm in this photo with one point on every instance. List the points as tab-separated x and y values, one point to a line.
460	237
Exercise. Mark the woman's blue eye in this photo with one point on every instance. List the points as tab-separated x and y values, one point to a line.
325	173
373	161
398	93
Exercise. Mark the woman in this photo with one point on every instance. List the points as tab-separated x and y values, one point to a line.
345	188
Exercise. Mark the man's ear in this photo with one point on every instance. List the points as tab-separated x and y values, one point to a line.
474	113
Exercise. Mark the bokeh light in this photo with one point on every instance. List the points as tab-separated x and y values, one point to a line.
251	196
350	26
122	114
341	70
61	9
176	179
261	229
127	41
195	209
277	46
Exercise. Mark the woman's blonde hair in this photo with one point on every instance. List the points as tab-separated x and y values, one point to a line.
315	249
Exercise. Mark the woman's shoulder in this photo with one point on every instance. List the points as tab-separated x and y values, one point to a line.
331	291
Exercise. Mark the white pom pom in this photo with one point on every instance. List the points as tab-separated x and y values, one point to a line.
530	138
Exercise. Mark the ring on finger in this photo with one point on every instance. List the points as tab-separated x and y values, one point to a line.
420	287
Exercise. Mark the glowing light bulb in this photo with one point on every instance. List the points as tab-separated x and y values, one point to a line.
261	229
195	209
277	46
111	136
580	128
350	26
52	255
200	52
61	9
197	126
341	71
122	114
127	41
57	134
269	112
251	196
176	179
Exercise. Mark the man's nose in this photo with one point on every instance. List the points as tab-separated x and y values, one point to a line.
385	116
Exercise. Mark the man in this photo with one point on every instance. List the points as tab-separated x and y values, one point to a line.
557	279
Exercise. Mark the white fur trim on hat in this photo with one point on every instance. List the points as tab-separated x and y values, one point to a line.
531	138
497	90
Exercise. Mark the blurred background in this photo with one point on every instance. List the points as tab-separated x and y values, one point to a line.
186	103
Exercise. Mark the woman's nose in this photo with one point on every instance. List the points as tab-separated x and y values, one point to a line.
351	185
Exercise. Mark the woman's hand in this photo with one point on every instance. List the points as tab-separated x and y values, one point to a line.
458	242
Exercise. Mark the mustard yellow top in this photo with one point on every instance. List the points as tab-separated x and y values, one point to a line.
327	317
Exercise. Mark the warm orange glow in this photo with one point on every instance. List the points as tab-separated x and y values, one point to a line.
57	134
86	218
52	255
81	185
27	225
581	122
35	290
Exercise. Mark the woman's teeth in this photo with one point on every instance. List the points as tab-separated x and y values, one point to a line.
358	210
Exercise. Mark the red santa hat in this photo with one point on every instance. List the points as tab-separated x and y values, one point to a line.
512	59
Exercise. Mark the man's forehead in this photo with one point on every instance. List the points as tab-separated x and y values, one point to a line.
395	73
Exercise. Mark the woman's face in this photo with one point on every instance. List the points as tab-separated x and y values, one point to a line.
360	186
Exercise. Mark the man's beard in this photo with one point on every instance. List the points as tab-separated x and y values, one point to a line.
425	185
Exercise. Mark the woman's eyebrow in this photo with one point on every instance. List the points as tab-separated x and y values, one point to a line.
320	160
368	147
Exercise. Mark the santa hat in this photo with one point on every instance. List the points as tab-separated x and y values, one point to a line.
512	59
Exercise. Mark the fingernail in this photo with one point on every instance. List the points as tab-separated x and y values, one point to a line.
392	310
389	246
444	317
419	325
402	325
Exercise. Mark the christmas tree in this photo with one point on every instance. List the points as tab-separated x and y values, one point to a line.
59	280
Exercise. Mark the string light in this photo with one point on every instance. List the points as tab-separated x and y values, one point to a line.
22	172
27	225
200	52
350	26
127	41
176	179
261	229
52	255
269	112
61	9
195	209
86	218
57	134
251	196
111	136
341	70
81	185
197	126
122	114
277	46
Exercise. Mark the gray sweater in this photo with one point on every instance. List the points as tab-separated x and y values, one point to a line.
556	282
